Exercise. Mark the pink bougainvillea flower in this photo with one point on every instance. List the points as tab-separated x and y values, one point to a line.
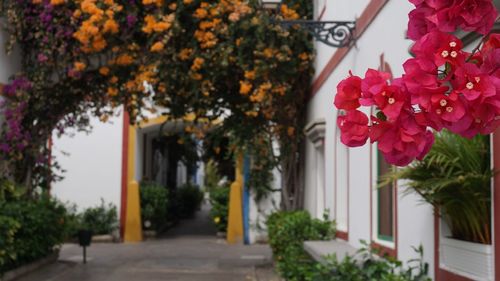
447	107
491	56
392	99
441	48
420	76
348	93
354	128
418	24
475	15
374	83
403	141
470	81
491	64
491	44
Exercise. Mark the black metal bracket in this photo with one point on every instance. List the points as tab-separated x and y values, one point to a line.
336	34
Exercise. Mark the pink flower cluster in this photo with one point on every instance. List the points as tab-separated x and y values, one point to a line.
443	86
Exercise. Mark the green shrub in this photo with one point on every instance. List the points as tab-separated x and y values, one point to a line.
219	200
455	177
101	219
154	206
366	266
33	228
189	198
287	233
8	230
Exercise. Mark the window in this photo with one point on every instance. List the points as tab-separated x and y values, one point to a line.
385	203
341	185
384	217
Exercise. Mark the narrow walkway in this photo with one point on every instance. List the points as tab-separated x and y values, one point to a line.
191	252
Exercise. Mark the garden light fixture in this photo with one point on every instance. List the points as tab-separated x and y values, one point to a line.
336	34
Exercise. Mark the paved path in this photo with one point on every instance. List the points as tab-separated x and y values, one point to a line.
190	252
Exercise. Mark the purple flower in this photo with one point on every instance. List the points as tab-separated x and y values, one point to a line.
5	147
42	58
131	20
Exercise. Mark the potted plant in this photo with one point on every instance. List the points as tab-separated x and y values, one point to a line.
455	177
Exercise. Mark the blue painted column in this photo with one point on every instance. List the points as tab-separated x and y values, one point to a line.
246	200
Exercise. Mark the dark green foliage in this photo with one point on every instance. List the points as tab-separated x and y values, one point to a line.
456	177
154	206
101	219
30	230
366	266
189	198
287	233
219	199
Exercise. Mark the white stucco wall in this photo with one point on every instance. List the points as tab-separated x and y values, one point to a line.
384	35
92	163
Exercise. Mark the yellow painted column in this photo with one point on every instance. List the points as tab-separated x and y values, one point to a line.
235	218
133	224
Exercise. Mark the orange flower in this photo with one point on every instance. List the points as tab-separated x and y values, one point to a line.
104	70
197	63
158	46
124	59
110	26
57	2
185	54
291	131
80	66
245	87
112	91
76	14
113	80
304	56
268	53
200	13
172	6
187	2
288	13
250	75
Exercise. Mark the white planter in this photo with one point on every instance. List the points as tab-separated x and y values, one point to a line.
471	260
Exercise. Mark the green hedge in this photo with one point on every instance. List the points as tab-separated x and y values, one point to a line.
219	199
29	230
367	266
154	206
287	233
189	198
102	219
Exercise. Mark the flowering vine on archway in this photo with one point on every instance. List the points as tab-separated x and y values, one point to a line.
443	86
209	59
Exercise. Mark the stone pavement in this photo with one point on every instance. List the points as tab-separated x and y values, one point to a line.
190	252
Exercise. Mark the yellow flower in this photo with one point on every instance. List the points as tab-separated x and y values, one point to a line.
217	220
158	46
80	66
245	87
104	70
